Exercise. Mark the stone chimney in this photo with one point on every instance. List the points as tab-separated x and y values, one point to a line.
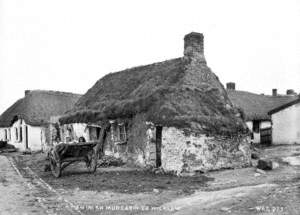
274	92
194	47
290	92
27	92
230	86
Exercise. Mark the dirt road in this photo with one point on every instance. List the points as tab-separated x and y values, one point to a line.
20	195
16	197
124	191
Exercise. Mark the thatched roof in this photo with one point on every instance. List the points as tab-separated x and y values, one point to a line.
180	92
284	106
37	106
256	106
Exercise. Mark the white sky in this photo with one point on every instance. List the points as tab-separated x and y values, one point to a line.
67	45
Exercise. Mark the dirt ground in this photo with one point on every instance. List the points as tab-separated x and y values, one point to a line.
123	190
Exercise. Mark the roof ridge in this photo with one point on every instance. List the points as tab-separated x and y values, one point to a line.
54	92
145	65
283	106
271	96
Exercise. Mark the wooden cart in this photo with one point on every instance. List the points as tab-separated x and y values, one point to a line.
63	155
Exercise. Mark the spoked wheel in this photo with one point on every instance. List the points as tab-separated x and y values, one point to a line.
55	168
91	163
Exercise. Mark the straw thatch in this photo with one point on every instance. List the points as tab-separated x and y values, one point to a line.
284	106
37	107
256	106
177	92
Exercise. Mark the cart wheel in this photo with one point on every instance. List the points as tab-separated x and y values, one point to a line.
55	168
91	164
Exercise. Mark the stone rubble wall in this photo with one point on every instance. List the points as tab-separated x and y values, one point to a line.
139	150
190	152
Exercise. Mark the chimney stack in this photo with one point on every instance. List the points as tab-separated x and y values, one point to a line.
290	92
230	86
274	92
194	47
27	92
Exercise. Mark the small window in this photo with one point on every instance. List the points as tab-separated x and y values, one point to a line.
118	133
122	133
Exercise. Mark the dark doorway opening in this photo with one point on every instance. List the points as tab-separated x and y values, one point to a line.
98	130
26	137
158	145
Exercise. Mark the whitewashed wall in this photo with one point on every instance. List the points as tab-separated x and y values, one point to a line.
265	124
36	136
2	133
78	130
250	125
81	130
286	125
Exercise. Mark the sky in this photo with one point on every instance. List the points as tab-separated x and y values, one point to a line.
67	45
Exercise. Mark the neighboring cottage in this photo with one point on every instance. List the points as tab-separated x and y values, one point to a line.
286	123
174	114
255	109
25	123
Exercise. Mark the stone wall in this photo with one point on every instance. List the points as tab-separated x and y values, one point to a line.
139	149
191	152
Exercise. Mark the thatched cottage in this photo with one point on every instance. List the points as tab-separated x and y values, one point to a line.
255	109
174	114
25	123
286	123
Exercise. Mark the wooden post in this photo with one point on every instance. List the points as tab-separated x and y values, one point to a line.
100	145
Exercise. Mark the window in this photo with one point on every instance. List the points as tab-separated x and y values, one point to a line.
118	133
122	132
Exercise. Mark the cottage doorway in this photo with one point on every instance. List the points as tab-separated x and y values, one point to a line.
158	145
26	137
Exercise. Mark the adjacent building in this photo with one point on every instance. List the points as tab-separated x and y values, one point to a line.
25	123
286	123
255	108
173	114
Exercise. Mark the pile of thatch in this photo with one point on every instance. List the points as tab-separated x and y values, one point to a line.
176	93
37	107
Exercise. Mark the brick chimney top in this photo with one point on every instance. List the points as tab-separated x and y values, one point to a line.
194	46
27	92
230	86
274	92
290	92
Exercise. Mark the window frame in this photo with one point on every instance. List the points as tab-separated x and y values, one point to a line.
118	136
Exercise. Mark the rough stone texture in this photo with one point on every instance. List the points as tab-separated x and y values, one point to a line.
194	46
140	147
191	152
